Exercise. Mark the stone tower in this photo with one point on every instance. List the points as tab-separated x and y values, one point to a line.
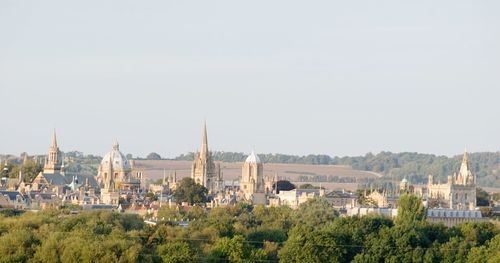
204	171
53	160
252	177
459	192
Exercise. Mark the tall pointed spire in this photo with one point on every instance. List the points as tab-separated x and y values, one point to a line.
465	175
54	140
53	158
204	143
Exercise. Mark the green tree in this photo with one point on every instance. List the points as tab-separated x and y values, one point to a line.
18	245
190	192
29	170
167	213
411	210
315	212
482	197
235	250
490	252
176	252
306	244
308	186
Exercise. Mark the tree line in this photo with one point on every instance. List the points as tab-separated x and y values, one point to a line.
244	233
414	166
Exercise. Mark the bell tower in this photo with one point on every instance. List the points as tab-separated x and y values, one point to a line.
53	160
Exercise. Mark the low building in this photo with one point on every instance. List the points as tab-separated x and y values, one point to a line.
295	197
450	217
341	199
13	200
363	211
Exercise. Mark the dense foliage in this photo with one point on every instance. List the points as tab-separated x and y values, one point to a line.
415	166
190	192
29	170
243	233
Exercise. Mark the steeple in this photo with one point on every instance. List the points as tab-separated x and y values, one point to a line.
204	143
109	181
53	159
53	145
465	175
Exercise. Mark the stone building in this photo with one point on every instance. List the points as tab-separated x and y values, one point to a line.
252	180
295	197
204	171
459	192
115	172
52	178
450	217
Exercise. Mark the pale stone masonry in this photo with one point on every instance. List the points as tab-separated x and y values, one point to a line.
459	192
252	180
204	170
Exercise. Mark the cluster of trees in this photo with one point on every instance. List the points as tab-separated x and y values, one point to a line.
417	166
29	170
244	233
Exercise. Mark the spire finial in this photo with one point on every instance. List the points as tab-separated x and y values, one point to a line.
116	145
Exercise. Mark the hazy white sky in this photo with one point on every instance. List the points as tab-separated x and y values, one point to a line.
298	77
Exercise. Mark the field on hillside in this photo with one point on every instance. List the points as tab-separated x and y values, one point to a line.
232	171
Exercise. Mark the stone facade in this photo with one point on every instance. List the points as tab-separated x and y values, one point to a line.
459	192
53	162
204	170
115	172
252	180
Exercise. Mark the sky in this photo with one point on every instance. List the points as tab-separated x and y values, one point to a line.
296	77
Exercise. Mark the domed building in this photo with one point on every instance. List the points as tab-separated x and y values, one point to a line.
252	180
115	171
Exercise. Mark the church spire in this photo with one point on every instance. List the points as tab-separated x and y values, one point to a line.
54	140
204	143
465	175
53	159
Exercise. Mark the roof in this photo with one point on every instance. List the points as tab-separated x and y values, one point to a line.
253	158
118	161
12	195
82	180
55	179
450	213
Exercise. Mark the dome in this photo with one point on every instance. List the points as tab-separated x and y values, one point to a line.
253	158
119	160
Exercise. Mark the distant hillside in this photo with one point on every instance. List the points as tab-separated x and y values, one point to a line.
415	166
